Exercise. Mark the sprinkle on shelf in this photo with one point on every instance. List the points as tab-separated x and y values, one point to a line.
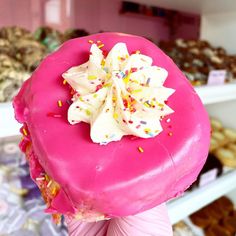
90	41
24	131
59	103
56	218
140	149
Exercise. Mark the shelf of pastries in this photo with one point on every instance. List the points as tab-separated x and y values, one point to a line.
21	51
216	219
21	205
192	201
217	178
223	143
197	58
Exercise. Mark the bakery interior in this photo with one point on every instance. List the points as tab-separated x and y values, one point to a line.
198	35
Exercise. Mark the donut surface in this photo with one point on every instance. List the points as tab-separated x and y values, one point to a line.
114	179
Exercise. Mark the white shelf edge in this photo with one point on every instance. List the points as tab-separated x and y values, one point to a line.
8	125
184	206
218	93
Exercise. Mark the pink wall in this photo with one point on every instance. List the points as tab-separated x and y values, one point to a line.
104	15
91	15
14	12
30	14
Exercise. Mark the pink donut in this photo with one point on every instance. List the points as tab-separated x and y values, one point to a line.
80	178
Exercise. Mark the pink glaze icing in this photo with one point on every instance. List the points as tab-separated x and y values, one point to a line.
114	179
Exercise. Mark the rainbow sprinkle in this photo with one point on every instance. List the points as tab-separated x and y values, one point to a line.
49	183
88	112
101	45
92	77
64	82
40	178
59	103
51	114
140	149
24	131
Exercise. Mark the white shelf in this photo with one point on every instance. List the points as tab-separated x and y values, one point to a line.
215	94
182	207
194	6
8	125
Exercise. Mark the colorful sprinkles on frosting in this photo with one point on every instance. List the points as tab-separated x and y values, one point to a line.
24	131
130	105
59	103
140	149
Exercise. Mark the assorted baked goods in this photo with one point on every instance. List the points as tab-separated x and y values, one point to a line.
21	52
196	58
223	143
212	169
49	37
12	75
182	229
21	205
216	219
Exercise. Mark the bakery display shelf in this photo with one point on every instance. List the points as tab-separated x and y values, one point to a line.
8	125
218	93
190	202
193	6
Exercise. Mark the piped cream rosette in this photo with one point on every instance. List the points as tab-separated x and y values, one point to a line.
118	95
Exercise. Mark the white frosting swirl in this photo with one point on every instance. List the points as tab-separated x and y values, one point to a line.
118	95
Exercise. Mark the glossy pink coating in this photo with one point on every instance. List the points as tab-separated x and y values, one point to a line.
114	179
